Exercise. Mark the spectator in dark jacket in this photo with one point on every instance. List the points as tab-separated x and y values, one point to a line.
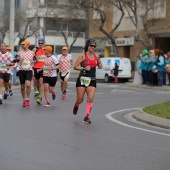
115	73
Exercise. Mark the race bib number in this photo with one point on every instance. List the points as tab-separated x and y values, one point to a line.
85	81
63	74
45	69
41	58
25	64
3	67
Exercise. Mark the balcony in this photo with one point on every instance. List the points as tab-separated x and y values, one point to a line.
57	12
71	34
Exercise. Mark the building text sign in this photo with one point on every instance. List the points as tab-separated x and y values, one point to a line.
128	41
124	41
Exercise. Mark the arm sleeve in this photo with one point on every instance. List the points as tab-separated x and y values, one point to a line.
55	59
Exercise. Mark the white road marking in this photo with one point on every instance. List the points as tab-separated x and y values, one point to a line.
122	91
109	116
163	92
118	93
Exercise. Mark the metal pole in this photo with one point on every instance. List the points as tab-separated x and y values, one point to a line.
11	25
87	19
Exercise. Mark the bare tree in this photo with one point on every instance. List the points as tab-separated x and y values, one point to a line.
145	15
101	7
4	25
68	20
24	25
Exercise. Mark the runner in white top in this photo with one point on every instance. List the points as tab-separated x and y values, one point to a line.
5	62
25	71
51	64
66	63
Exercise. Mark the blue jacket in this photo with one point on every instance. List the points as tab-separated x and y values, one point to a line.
150	63
143	65
161	63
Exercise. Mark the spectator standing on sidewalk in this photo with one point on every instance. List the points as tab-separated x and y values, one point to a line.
161	66
15	68
143	66
115	71
168	65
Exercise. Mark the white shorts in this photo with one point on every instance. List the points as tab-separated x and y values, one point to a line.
64	75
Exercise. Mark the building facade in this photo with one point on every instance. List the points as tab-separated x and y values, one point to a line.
158	34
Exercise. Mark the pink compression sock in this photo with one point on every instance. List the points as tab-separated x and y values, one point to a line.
88	108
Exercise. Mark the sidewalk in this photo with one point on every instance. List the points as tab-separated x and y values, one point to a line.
165	87
145	117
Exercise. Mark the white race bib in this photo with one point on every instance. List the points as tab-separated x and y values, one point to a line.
45	69
85	81
26	64
3	67
41	58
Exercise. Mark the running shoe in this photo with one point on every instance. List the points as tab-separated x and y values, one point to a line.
87	120
75	109
47	104
24	104
10	93
5	95
1	102
64	96
27	102
36	94
39	100
53	96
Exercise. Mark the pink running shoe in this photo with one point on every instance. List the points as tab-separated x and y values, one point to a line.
64	96
27	102
24	104
54	96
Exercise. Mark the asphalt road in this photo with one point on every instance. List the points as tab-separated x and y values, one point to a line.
38	138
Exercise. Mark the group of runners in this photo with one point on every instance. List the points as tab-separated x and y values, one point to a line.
43	67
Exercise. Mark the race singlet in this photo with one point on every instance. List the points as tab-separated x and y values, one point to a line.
41	58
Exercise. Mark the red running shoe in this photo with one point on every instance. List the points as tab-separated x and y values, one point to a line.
53	96
75	109
64	96
24	104
27	102
87	120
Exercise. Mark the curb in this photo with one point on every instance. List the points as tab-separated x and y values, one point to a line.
165	87
151	120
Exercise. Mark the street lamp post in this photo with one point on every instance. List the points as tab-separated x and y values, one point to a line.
12	24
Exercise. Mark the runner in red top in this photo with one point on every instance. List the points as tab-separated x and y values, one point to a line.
39	64
86	82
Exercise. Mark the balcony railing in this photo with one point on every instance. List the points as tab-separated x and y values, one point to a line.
71	34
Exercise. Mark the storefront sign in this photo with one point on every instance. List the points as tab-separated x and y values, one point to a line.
124	41
119	42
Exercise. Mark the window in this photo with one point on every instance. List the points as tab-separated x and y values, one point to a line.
96	14
158	9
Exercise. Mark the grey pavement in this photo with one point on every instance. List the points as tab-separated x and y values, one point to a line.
38	138
139	115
